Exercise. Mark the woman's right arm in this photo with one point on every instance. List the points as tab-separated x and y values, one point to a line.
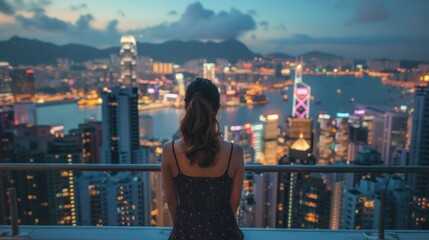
237	180
167	179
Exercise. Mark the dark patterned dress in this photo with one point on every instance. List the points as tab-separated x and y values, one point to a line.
204	211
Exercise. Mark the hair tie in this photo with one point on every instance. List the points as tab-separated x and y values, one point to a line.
197	94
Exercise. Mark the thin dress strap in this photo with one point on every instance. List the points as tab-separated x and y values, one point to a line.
229	160
175	158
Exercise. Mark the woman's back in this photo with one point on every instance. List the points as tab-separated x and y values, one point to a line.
204	210
202	174
206	192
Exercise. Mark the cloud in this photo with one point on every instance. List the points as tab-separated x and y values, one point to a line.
304	39
252	13
121	13
340	4
172	13
195	23
368	11
84	21
35	6
6	8
281	27
200	23
264	24
42	22
79	7
112	26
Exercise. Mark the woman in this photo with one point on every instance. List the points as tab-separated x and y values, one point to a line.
202	174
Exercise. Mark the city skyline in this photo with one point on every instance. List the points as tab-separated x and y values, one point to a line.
345	127
352	29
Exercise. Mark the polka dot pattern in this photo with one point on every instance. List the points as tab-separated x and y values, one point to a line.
204	211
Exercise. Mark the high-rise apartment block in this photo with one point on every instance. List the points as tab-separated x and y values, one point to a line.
120	126
361	205
419	155
395	135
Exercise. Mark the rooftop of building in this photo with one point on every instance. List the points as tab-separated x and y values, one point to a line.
301	144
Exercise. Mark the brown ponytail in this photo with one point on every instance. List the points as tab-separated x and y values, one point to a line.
199	127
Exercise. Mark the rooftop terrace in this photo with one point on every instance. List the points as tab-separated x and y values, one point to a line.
158	233
154	233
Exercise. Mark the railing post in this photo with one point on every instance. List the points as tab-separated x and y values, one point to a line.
381	216
13	211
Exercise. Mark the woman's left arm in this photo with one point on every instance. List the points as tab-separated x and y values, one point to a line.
168	184
237	180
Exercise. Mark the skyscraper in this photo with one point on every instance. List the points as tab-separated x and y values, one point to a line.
120	126
395	135
5	79
294	209
312	202
419	155
270	134
249	137
6	139
90	134
124	195
209	71
325	132
341	139
128	62
265	185
298	126
30	146
146	126
301	95
7	121
25	113
89	209
23	84
361	205
61	184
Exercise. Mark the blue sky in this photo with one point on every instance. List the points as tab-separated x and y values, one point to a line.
397	29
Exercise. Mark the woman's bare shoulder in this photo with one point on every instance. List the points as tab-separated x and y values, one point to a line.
167	151
237	151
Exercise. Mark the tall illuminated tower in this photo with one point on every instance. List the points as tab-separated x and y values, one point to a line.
128	54
301	95
209	71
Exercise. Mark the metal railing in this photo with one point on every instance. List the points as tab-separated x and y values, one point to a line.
6	167
248	168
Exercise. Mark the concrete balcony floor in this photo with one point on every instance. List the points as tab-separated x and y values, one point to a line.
161	233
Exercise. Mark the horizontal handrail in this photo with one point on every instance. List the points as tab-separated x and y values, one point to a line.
249	168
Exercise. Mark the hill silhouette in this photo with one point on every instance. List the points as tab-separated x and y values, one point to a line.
24	51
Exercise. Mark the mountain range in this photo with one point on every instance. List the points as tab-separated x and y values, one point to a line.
23	51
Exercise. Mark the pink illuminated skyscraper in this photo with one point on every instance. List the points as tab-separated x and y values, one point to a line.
301	95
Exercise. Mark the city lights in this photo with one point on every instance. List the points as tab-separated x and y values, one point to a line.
120	103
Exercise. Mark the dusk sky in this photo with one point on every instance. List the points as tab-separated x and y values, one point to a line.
397	29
